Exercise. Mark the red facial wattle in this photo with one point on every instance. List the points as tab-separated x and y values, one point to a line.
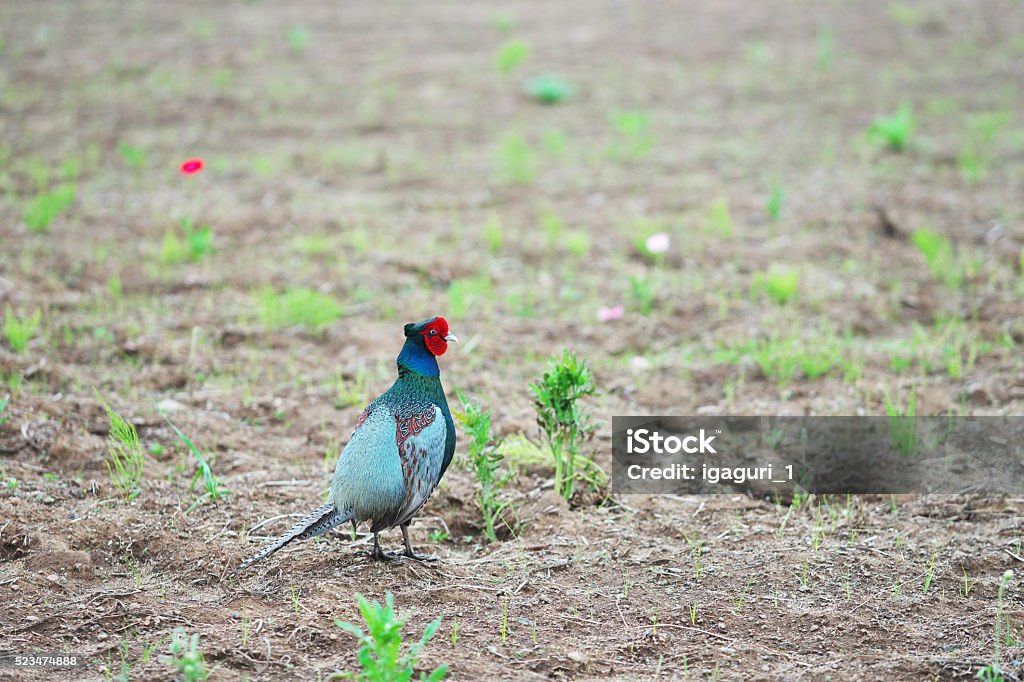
434	336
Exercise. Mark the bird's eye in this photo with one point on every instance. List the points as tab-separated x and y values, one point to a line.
433	332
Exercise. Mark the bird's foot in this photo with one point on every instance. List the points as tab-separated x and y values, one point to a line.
417	557
409	554
379	555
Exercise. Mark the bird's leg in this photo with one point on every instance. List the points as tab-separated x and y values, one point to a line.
408	547
377	553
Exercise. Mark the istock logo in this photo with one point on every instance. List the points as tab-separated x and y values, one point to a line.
642	441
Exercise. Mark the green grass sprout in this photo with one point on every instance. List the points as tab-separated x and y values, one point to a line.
19	331
549	89
894	131
41	211
214	490
297	308
511	55
124	454
517	162
780	284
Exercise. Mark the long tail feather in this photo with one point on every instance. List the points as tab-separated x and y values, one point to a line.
325	524
319	521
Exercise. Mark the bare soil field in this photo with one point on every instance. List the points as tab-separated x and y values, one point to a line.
841	186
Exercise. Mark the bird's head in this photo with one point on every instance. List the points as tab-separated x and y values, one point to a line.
434	333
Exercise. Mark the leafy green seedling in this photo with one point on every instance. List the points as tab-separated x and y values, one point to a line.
576	242
516	160
133	157
511	55
71	167
494	233
942	261
222	79
976	154
486	462
564	422
298	307
553	227
634	137
642	292
381	658
973	168
19	331
936	248
186	656
719	219
193	244
41	211
780	358
172	250
316	244
555	141
297	38
114	287
198	240
779	283
549	89
894	131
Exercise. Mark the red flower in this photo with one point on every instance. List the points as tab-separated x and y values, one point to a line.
191	166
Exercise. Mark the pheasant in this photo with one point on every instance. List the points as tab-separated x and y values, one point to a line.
400	448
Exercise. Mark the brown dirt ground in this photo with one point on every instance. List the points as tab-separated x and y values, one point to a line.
378	140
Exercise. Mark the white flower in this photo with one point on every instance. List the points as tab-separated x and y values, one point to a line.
657	243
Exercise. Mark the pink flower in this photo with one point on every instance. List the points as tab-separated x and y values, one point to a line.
657	243
191	166
609	314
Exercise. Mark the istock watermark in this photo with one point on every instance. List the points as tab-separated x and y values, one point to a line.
833	455
644	440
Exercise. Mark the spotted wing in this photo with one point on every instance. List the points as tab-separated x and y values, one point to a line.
421	439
